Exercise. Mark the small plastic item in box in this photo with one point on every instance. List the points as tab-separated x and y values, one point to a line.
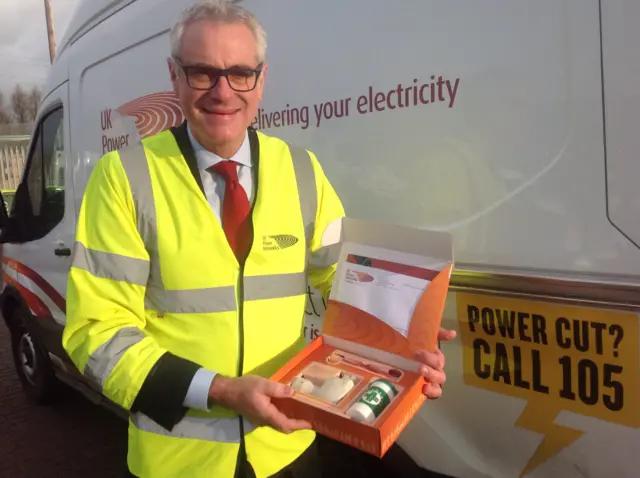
324	382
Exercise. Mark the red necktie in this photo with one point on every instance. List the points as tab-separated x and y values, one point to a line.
236	220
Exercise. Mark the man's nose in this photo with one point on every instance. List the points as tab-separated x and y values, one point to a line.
222	90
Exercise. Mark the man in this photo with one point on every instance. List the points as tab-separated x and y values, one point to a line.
176	309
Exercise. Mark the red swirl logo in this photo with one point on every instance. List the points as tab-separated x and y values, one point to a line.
153	113
363	277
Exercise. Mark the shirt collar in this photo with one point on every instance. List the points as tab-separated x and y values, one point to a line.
206	158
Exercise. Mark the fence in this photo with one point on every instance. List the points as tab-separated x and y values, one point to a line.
14	140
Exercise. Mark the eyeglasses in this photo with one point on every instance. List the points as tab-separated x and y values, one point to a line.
201	77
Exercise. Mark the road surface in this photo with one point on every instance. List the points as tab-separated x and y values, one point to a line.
71	439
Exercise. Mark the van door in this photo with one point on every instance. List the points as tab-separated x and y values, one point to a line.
43	212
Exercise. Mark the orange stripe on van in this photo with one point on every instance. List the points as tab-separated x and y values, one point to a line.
35	303
37	279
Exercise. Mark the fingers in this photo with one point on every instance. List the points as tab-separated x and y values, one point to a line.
298	424
273	417
281	422
445	334
442	358
276	419
436	377
434	360
276	389
432	391
433	372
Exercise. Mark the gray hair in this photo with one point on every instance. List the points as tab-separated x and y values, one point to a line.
223	11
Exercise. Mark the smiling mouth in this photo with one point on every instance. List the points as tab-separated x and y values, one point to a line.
221	113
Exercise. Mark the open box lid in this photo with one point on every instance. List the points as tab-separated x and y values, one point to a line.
390	285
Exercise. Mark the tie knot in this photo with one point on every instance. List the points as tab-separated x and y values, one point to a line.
226	169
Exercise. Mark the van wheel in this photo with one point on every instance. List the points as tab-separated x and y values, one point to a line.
34	368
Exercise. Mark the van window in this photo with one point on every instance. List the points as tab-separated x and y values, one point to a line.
44	179
34	178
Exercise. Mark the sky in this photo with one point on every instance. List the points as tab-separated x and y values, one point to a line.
24	50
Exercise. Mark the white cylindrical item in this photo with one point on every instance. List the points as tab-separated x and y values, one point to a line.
361	413
302	385
373	401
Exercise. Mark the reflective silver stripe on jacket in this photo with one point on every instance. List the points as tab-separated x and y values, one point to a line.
104	359
110	266
134	162
275	286
225	430
307	191
190	301
136	271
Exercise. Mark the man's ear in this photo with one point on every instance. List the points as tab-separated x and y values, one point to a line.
173	74
261	80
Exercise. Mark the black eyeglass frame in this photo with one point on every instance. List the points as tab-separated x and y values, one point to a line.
218	73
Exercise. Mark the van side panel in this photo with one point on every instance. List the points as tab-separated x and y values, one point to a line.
484	120
107	75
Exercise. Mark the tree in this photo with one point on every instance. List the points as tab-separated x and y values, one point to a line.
34	102
20	105
5	117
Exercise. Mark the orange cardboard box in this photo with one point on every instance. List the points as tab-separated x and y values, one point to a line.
386	303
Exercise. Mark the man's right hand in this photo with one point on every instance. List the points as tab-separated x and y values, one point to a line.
250	396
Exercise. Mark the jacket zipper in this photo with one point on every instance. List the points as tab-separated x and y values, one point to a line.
241	306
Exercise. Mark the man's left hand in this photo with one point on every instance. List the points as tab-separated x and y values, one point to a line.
433	368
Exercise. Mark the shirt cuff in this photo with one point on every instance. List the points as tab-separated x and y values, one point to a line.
198	393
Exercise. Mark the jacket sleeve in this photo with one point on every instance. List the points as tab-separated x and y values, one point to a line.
323	259
105	329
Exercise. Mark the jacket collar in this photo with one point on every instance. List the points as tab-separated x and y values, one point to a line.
181	135
207	159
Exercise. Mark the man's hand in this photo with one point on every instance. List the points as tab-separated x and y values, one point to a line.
433	368
250	396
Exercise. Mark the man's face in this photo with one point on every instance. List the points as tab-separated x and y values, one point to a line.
218	116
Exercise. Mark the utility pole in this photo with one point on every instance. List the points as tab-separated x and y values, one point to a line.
50	32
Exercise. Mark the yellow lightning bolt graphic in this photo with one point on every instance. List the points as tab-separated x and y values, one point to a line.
540	419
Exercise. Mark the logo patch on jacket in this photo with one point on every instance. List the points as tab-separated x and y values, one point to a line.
278	241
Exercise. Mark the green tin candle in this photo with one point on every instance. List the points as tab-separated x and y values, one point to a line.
373	401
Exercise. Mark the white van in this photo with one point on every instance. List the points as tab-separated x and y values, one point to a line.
514	125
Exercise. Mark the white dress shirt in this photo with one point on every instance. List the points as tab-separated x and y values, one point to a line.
198	394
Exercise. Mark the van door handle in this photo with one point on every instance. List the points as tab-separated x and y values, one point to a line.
62	251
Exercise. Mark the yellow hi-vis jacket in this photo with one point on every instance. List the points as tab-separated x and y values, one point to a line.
155	292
